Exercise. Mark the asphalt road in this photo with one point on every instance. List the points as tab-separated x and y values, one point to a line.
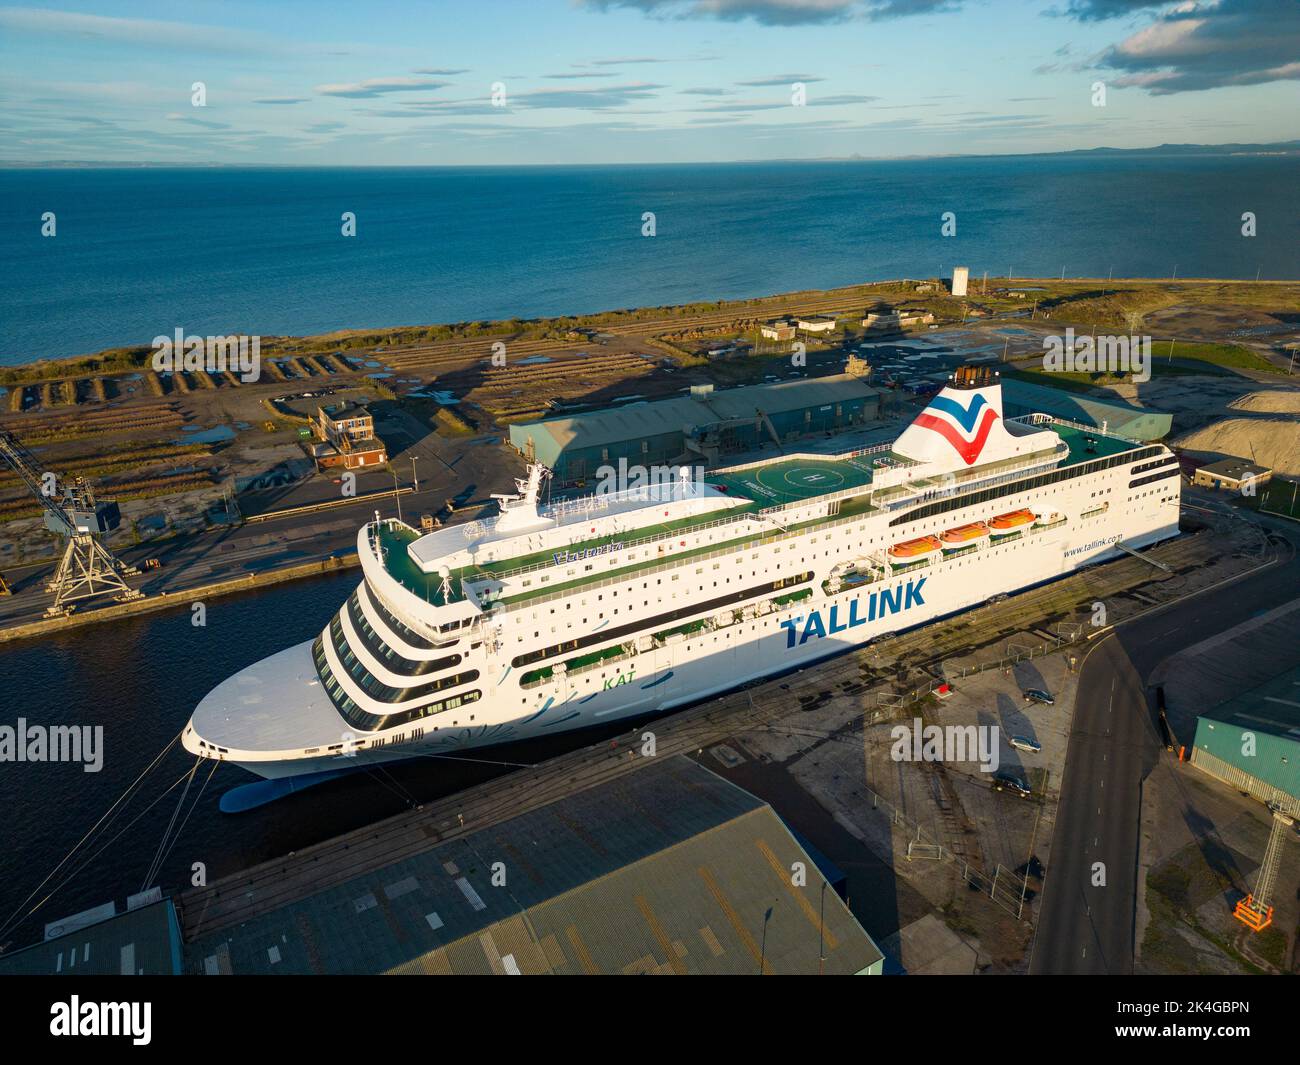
1114	744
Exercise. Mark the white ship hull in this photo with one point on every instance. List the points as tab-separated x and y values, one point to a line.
643	624
722	660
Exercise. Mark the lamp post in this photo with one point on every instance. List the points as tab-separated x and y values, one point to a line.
821	933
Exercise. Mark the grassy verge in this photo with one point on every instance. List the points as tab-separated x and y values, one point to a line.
1167	360
451	423
1281	497
1229	355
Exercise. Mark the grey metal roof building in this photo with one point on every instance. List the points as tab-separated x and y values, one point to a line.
144	941
666	869
1137	423
698	428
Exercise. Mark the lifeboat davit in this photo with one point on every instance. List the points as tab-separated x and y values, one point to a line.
964	534
912	549
1011	522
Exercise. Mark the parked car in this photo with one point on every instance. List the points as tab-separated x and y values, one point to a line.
1011	782
1037	695
1024	743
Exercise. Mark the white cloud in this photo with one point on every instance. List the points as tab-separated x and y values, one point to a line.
378	87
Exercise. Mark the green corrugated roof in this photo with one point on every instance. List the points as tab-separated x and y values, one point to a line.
665	416
1139	423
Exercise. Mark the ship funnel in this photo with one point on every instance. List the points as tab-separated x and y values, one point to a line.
963	424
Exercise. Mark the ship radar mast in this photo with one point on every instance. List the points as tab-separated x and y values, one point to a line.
684	481
520	511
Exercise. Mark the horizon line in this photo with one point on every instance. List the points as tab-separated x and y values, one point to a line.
1227	147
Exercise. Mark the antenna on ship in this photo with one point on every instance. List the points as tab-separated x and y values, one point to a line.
519	512
445	574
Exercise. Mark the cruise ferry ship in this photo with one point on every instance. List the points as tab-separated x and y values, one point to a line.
555	617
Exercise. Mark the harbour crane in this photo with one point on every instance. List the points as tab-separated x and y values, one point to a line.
87	569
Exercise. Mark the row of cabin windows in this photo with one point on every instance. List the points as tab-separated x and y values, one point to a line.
408	634
640	627
971	499
1027	484
863	544
979	560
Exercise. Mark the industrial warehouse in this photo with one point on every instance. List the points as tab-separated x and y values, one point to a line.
1116	416
697	428
669	869
1253	742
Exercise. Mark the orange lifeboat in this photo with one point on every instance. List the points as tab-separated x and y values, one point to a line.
910	549
1009	523
964	534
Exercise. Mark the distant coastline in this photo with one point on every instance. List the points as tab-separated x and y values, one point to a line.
1280	148
356	340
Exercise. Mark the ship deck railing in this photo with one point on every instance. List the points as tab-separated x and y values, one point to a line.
1014	469
403	535
593	503
874	449
829	497
1051	419
881	571
880	499
891	498
537	597
669	531
580	664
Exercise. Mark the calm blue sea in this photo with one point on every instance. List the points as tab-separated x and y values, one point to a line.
141	252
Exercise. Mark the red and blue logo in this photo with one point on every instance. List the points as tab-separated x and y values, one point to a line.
955	423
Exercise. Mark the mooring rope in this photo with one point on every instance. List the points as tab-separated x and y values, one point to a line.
118	835
193	806
108	815
157	858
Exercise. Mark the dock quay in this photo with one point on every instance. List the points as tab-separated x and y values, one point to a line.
171	600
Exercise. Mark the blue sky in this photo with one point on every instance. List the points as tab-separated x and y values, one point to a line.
611	81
